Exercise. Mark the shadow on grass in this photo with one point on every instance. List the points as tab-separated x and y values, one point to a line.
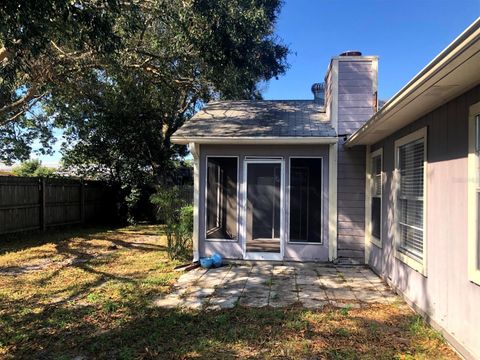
143	332
100	324
61	236
22	241
129	245
48	301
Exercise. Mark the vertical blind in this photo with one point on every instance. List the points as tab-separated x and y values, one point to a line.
410	197
376	173
477	183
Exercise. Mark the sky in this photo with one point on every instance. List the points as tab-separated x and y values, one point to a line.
405	34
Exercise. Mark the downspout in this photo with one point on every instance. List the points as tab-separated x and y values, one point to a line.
195	151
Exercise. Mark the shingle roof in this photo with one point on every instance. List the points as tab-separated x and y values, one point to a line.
265	118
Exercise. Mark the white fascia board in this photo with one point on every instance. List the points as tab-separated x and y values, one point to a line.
255	140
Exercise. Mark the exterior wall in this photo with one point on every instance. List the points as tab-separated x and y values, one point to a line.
351	203
329	92
357	88
445	294
357	82
234	249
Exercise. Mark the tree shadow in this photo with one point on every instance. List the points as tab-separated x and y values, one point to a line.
144	246
25	240
293	332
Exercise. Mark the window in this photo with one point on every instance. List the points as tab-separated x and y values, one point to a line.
477	190
474	195
221	198
306	200
376	197
410	169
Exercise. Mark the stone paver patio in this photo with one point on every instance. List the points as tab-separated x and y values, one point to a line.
277	285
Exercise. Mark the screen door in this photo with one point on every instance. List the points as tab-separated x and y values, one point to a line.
264	198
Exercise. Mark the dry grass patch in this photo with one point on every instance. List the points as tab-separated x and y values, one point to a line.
77	281
88	292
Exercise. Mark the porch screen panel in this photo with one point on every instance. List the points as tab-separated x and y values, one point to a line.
221	198
306	200
410	197
376	173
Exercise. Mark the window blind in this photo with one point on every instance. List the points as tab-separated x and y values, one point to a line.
410	197
477	187
376	173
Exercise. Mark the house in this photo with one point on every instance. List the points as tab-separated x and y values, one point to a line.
337	179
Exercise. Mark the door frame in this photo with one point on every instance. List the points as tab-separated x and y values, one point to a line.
263	255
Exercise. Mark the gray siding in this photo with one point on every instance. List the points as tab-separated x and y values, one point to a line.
233	249
445	295
355	94
328	92
351	203
356	87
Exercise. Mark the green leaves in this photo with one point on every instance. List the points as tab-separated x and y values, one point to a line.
33	168
120	77
178	219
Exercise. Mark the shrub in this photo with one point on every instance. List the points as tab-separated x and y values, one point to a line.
33	167
178	218
131	200
182	248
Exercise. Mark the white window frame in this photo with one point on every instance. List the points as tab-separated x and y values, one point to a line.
420	266
205	198
288	201
369	191
473	158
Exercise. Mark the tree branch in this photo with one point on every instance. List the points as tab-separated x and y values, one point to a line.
19	106
3	53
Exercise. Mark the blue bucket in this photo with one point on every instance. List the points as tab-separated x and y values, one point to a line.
206	263
217	260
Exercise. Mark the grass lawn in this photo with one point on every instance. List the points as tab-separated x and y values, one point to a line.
87	293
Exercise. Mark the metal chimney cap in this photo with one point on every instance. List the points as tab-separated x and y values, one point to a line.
317	87
351	53
318	90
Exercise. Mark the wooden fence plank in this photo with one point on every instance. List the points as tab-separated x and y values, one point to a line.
43	220
28	203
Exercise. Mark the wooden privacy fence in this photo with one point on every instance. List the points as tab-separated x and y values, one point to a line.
29	203
186	193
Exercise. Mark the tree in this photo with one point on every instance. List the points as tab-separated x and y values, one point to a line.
117	131
120	77
189	51
120	114
33	167
42	44
120	117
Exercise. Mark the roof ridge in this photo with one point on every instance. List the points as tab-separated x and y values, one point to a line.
262	100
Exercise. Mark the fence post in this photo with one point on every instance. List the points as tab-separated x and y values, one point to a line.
82	201
43	203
